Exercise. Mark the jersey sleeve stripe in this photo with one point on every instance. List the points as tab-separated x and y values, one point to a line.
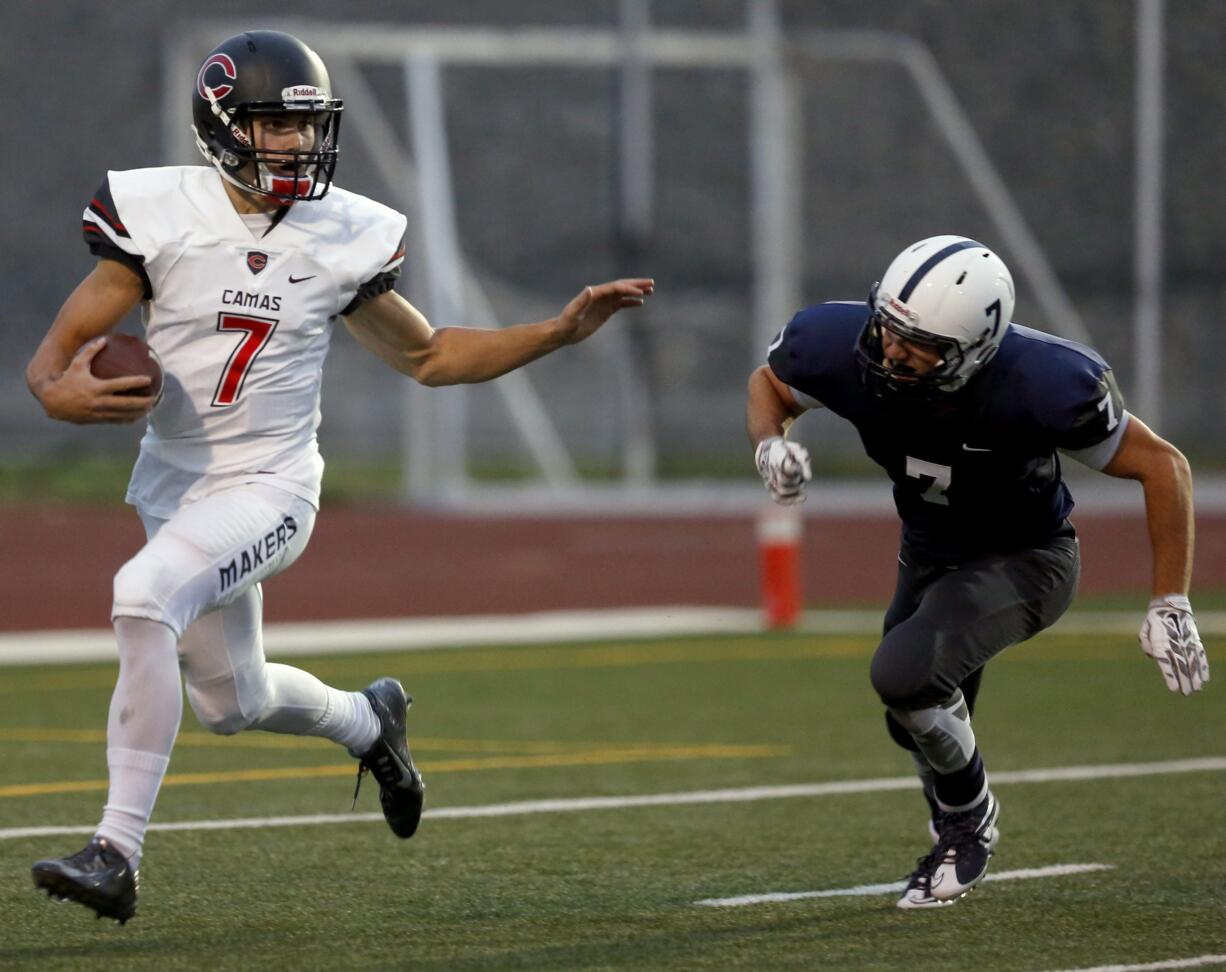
1098	456
94	228
395	261
100	208
104	242
807	402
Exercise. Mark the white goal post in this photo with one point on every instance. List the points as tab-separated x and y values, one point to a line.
418	182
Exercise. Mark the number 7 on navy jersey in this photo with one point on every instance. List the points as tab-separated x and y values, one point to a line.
257	330
931	474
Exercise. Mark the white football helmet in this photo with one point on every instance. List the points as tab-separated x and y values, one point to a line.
948	294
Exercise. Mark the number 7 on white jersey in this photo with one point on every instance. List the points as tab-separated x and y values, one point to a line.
258	331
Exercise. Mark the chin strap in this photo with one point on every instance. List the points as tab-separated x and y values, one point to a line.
295	187
285	189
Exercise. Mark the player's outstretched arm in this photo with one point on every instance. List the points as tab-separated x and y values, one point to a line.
397	332
1168	633
59	375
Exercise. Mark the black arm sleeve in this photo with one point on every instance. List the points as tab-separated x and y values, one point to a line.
102	210
100	247
380	283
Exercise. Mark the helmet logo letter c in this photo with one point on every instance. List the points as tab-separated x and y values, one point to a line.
228	69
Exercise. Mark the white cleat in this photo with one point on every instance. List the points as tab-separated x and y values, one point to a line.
959	859
917	894
967	843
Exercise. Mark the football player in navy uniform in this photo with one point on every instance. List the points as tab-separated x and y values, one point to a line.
969	414
243	269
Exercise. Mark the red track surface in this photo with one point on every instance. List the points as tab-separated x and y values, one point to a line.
58	563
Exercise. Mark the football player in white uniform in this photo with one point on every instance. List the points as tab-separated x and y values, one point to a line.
241	270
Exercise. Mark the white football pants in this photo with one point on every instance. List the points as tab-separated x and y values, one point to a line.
200	575
190	600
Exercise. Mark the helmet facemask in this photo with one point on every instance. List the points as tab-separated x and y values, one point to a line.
258	75
951	297
288	176
957	361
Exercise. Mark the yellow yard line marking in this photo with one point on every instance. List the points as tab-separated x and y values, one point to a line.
1051	645
93	736
524	659
498	745
70	681
595	757
263	740
610	656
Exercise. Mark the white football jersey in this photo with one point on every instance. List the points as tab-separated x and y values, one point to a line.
240	321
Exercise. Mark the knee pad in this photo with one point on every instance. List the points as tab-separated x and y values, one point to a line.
138	589
943	733
904	669
900	735
168	581
218	723
222	659
218	709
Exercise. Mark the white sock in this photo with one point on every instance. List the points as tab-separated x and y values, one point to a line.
301	705
135	780
146	708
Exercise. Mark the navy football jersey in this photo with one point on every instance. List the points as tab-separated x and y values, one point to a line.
978	473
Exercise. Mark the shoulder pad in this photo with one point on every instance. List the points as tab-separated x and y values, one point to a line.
102	224
817	340
1068	388
366	236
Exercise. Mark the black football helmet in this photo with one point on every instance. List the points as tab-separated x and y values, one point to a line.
266	72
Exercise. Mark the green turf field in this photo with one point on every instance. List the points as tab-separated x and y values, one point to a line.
616	888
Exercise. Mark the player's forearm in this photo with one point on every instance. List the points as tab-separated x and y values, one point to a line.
93	309
767	414
46	366
67	334
462	355
1169	517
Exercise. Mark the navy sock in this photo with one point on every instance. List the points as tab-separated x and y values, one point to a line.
962	789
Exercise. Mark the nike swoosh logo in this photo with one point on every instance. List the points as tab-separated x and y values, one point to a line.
294	279
971	448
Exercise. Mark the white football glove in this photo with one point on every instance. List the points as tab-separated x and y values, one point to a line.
784	468
1170	638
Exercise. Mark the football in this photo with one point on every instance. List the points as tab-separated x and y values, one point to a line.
125	355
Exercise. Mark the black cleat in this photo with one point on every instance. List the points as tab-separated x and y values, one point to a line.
401	790
98	877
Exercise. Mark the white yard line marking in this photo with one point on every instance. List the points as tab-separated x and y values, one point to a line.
1057	774
413	634
1188	963
1023	874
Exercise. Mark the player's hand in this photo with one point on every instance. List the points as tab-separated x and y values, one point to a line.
594	305
77	396
784	467
1170	638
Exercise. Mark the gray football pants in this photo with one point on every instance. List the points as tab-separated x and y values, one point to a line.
945	623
